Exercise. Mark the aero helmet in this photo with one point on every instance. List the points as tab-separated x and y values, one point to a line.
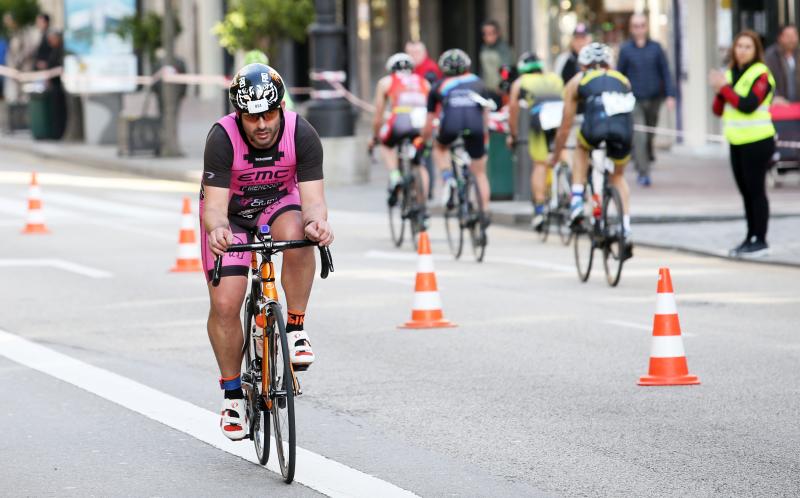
256	88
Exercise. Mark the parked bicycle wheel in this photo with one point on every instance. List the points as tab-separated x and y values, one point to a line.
477	232
583	237
564	192
282	394
258	414
613	236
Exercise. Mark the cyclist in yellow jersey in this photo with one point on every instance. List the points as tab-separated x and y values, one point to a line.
608	117
542	93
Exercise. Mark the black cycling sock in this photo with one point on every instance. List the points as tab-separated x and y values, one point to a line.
234	393
295	320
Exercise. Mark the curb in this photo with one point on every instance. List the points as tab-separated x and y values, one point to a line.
151	170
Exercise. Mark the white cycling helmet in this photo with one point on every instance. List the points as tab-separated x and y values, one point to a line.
595	53
400	61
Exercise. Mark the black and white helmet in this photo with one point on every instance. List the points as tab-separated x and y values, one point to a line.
400	61
454	62
256	88
595	53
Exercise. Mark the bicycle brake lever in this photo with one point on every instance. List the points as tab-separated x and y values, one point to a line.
326	261
217	270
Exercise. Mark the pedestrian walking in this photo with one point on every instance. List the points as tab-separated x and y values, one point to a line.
42	56
22	45
644	62
423	64
566	64
744	93
782	60
495	53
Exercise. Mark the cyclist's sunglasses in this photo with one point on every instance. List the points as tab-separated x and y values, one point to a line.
267	115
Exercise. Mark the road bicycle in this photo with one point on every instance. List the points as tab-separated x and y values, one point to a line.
464	211
601	225
268	377
559	181
407	201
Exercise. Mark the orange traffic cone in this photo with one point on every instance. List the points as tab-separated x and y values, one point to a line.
668	365
188	252
35	223
427	310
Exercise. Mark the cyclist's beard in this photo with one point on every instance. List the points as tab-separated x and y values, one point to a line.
264	137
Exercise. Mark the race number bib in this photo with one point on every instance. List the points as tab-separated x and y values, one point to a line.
550	115
418	117
618	103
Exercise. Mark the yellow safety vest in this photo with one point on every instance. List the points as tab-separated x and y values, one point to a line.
744	128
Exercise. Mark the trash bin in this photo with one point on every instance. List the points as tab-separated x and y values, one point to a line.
40	115
500	167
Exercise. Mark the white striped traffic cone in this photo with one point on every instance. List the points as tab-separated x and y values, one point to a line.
668	365
427	310
188	252
35	223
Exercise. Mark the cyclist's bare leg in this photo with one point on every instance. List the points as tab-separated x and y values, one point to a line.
389	156
297	272
539	182
441	156
478	168
426	182
224	323
618	180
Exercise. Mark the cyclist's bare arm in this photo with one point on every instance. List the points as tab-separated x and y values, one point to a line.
427	130
315	212
570	108
215	218
513	108
380	104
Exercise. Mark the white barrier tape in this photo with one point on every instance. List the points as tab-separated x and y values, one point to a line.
362	104
326	94
329	76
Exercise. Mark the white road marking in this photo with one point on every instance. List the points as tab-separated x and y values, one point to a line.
399	256
532	264
155	302
110	207
57	263
315	471
115	183
638	326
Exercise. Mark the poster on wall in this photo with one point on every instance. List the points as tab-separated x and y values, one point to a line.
97	60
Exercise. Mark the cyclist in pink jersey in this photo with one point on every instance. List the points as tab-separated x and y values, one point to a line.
262	166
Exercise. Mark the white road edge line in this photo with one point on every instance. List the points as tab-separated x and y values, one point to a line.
315	471
61	264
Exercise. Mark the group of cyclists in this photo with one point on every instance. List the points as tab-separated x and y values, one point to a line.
263	166
598	100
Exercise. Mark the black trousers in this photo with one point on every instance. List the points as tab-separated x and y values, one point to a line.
750	163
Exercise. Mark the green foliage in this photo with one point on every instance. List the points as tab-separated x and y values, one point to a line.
144	31
260	23
24	11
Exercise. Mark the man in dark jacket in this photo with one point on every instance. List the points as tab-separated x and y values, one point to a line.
783	60
643	61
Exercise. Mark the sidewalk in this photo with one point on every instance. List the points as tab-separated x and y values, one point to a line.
693	204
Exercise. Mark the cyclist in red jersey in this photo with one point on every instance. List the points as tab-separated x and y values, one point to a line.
400	111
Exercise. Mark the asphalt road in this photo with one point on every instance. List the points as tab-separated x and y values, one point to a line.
533	394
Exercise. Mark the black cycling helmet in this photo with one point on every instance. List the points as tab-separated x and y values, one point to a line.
454	62
256	88
528	63
400	61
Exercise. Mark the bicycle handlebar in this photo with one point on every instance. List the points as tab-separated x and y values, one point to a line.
272	247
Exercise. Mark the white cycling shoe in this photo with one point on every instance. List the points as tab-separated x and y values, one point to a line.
300	349
234	423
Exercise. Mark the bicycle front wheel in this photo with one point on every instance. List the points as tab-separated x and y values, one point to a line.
613	236
452	224
477	231
282	395
397	208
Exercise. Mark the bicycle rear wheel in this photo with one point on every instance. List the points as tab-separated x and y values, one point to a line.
251	381
613	236
583	237
452	225
396	212
564	193
477	232
416	211
282	395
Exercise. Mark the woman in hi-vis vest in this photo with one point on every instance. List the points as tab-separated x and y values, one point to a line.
744	93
